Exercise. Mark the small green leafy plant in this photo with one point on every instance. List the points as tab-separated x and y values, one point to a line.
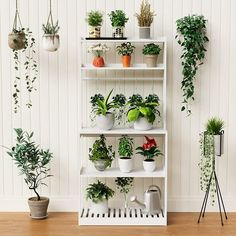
214	126
118	18
100	151
94	18
139	107
31	160
98	192
151	49
145	17
125	149
50	28
125	49
192	38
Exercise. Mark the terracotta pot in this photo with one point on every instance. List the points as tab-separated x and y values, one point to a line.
98	62
94	31
126	60
38	209
16	41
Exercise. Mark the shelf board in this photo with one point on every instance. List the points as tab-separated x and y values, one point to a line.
120	131
119	66
124	78
115	172
132	40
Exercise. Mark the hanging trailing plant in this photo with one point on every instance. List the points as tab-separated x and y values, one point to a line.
191	35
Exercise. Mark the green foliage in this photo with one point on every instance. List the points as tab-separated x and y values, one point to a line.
50	28
149	153
31	160
94	18
125	146
125	49
214	126
97	192
145	17
139	107
100	151
124	184
118	18
192	38
151	49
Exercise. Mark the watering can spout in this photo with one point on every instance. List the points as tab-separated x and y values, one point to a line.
134	199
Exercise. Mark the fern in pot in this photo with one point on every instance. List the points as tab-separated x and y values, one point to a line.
125	151
151	52
99	194
94	20
101	154
33	163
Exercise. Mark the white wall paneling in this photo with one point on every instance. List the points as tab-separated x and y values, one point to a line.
56	110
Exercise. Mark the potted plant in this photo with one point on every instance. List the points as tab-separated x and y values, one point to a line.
124	185
125	151
98	50
145	19
104	110
94	19
99	194
151	52
143	111
33	164
101	154
149	150
118	20
125	50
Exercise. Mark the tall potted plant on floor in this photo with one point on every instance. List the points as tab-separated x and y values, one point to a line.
94	19
151	52
33	163
125	50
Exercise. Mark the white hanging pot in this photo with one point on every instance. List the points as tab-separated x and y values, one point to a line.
125	164
51	42
105	122
219	144
149	165
100	207
142	124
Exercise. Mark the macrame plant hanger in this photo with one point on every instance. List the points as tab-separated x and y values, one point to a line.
50	19
16	18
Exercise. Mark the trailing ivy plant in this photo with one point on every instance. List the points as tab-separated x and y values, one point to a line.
191	35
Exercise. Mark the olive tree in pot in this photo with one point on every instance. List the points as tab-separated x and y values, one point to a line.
125	50
99	194
94	19
149	150
101	154
103	110
33	164
145	19
151	52
118	20
125	151
143	111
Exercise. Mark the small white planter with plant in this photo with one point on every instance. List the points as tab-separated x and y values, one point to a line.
151	52
99	194
149	150
94	20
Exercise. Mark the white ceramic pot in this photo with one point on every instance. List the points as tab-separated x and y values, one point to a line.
219	144
125	165
51	42
149	166
142	124
144	32
100	207
118	32
105	122
94	31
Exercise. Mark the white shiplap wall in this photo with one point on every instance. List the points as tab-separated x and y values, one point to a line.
55	112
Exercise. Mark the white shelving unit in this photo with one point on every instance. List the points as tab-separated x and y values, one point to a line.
116	216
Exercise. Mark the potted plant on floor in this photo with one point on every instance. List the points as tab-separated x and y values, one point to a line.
101	154
124	185
151	52
94	19
33	164
143	111
149	150
98	50
125	50
99	194
104	110
145	19
118	20
125	151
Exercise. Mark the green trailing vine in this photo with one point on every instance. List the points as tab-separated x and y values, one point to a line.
191	36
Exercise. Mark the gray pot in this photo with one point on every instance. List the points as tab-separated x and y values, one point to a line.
38	209
100	165
219	144
144	32
16	41
151	60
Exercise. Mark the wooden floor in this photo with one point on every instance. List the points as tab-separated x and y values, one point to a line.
58	224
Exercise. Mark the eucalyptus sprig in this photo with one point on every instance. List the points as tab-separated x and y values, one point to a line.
191	35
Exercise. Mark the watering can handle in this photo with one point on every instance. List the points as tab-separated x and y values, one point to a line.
155	186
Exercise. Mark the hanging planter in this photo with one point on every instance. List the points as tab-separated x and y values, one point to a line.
219	144
51	39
